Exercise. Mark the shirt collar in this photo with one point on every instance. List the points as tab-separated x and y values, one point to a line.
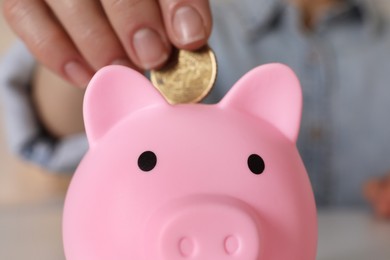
254	14
260	15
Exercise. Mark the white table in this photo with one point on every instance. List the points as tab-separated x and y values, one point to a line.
28	233
352	235
35	233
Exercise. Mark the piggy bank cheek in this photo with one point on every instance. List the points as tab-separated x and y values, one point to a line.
99	202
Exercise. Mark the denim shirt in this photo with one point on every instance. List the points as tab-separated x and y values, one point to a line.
344	68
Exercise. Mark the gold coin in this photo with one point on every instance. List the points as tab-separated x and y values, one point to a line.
188	77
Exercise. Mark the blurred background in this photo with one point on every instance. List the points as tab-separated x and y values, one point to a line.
31	203
30	199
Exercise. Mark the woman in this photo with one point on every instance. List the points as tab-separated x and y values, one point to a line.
337	48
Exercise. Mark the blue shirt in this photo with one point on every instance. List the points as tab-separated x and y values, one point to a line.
344	68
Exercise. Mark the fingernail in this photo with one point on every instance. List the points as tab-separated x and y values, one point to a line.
123	62
188	25
149	47
77	73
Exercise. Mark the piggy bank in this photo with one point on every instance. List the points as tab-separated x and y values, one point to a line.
191	181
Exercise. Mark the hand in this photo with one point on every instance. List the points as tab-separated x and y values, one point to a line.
377	192
75	38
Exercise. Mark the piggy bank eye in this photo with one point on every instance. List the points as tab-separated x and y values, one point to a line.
147	161
256	164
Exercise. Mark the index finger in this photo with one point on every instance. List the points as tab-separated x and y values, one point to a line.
33	21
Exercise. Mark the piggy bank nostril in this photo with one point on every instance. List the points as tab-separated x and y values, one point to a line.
231	244
186	247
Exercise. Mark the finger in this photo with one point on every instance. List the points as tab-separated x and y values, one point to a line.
88	27
37	27
371	189
382	209
188	23
386	193
140	28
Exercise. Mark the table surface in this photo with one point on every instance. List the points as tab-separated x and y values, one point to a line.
35	233
352	234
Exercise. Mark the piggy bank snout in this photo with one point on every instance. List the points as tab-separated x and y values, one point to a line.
206	228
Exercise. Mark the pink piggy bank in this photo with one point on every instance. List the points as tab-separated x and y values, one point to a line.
191	181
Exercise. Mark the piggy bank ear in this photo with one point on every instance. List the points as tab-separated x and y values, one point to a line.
271	92
113	93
